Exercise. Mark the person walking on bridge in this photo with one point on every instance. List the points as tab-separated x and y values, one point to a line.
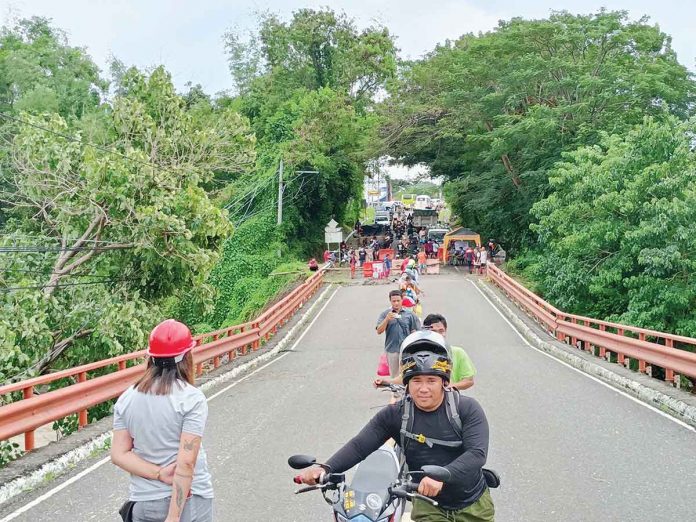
158	426
434	425
396	323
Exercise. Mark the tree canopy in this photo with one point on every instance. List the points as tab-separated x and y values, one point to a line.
492	113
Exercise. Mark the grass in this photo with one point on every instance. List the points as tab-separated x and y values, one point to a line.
367	216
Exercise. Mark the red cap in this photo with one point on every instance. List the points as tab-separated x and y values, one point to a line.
169	339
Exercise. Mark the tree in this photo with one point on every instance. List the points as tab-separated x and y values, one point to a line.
492	113
618	229
316	49
113	228
40	72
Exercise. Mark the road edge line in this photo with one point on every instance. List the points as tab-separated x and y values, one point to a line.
674	410
61	464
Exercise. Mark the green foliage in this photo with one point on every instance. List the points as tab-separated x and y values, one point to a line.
619	229
9	451
243	278
493	112
316	49
131	230
40	72
307	88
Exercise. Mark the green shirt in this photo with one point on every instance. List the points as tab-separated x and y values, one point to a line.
462	366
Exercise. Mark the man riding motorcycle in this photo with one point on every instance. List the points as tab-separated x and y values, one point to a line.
433	424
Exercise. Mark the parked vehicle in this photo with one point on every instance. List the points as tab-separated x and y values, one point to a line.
423	202
425	217
383	217
437	234
408	200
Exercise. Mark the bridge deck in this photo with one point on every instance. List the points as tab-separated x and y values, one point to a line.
567	447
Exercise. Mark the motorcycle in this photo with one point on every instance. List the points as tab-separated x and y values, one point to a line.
378	492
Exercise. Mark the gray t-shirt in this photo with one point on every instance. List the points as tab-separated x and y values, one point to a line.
398	329
155	422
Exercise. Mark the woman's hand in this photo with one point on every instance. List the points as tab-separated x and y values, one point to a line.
166	474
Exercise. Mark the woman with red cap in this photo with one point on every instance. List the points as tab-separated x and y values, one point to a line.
158	426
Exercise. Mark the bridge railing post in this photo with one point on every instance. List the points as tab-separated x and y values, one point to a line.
82	414
29	442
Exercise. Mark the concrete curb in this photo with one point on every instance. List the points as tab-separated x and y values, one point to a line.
672	406
101	438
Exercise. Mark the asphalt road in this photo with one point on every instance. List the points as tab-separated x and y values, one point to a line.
567	447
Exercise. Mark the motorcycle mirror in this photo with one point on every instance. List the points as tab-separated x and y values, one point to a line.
437	472
301	461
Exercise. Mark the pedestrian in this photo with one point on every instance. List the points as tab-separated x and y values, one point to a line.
387	266
327	256
158	425
436	249
483	260
313	265
353	262
428	248
469	256
422	260
396	323
477	260
362	255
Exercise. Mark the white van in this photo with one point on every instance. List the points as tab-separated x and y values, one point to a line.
423	202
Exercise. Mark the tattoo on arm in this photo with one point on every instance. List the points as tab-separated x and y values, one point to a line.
189	444
179	496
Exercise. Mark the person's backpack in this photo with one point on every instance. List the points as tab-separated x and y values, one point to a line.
406	434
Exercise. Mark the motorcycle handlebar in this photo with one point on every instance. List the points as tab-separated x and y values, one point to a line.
396	388
324	478
408	491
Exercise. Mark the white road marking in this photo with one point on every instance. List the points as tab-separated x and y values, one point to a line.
100	463
637	401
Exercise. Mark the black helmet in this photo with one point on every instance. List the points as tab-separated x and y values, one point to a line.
425	353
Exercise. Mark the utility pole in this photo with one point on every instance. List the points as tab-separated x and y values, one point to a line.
280	193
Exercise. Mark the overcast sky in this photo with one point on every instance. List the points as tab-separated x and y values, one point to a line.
186	36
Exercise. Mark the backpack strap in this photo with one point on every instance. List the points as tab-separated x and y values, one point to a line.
452	406
406	421
430	442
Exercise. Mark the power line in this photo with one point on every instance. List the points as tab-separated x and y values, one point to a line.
40	248
67	240
8	289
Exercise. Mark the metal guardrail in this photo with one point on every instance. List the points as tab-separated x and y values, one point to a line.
674	353
35	410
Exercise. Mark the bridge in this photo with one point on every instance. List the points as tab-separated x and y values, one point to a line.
568	445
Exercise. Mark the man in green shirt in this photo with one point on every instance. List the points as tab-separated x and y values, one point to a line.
463	369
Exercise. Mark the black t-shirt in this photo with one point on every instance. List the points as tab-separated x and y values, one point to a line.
464	463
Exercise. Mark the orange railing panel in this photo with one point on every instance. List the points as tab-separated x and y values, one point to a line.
648	347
